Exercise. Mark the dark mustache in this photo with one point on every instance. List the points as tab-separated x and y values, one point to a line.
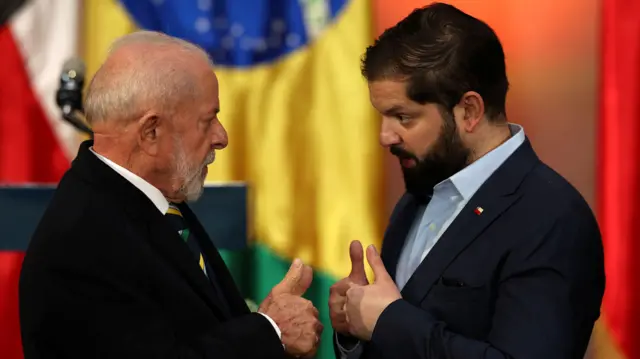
401	153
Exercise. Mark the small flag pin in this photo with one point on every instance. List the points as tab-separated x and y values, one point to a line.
478	210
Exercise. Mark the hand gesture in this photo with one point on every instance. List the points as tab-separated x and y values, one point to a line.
338	291
295	316
366	303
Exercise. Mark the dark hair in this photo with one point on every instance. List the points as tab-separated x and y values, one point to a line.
442	53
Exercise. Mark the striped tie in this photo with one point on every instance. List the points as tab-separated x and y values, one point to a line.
177	221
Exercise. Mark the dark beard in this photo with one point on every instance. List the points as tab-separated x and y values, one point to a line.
447	156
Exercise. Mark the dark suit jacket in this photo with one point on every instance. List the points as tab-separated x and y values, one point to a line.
105	276
523	280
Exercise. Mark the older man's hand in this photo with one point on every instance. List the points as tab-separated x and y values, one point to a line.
365	303
295	316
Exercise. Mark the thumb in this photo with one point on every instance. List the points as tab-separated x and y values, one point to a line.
356	253
296	281
376	264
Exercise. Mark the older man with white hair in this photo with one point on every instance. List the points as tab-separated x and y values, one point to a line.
119	267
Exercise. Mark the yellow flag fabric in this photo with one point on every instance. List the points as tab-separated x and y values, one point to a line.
103	22
303	134
304	137
602	345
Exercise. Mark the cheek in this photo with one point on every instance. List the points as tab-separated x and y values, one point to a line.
421	138
166	156
204	149
200	144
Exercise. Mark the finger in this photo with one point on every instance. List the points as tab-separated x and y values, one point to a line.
311	353
305	281
336	303
356	253
314	312
338	319
311	336
340	288
295	281
337	316
376	264
346	315
340	324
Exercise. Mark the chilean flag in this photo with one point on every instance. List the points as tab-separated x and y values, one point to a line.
36	38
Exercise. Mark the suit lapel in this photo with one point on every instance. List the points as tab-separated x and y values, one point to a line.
223	277
495	196
399	226
149	222
171	246
463	231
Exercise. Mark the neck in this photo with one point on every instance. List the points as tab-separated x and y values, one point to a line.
496	135
125	153
125	156
117	152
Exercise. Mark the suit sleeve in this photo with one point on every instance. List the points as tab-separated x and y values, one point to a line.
346	347
79	303
548	300
104	320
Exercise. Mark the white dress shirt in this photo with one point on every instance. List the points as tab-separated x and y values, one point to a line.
157	198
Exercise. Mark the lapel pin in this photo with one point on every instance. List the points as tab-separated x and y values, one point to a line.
478	210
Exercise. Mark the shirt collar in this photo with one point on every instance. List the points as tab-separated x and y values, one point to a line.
145	187
468	180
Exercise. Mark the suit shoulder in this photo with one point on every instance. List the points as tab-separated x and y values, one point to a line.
548	205
545	203
552	190
77	213
73	202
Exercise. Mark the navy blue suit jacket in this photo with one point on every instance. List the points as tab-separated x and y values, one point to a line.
523	280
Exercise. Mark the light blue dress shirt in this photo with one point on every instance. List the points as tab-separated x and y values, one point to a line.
449	198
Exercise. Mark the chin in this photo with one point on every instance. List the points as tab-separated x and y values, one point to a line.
193	197
194	192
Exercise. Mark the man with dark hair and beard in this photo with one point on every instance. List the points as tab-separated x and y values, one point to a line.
489	253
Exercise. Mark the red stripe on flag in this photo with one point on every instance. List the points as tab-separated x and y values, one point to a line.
29	150
10	344
619	170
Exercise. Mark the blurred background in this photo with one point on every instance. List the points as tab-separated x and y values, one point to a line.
303	136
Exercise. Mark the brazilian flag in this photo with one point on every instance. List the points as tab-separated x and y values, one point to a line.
302	133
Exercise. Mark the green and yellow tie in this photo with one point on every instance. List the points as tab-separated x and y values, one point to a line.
178	223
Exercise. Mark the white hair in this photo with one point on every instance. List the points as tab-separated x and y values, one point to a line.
145	78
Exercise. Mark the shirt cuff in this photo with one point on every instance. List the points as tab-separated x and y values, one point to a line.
275	326
346	348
